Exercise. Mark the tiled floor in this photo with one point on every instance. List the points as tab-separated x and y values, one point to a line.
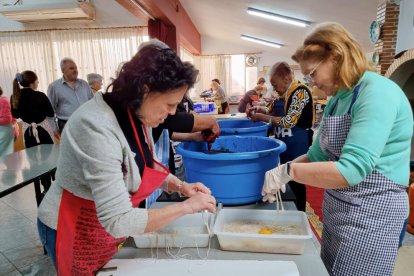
21	253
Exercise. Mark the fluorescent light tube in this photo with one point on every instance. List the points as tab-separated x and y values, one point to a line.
261	41
278	17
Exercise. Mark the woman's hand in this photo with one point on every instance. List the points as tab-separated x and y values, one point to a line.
191	190
275	181
257	117
199	202
250	111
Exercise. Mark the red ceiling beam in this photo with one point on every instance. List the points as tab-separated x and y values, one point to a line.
131	7
170	12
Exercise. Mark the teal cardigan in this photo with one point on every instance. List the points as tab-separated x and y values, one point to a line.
380	134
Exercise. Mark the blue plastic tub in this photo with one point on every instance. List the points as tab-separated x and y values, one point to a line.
243	127
237	177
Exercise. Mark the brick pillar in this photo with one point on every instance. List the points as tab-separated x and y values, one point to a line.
387	16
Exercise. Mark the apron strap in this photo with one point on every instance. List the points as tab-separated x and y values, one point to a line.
137	137
354	97
157	165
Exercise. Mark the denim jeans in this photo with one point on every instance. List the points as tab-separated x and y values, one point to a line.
48	239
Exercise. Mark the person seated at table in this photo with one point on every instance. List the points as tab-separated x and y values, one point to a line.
250	98
34	108
106	166
8	131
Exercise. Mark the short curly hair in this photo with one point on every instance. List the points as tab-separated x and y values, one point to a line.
159	69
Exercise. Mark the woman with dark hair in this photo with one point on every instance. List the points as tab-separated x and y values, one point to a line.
107	167
33	107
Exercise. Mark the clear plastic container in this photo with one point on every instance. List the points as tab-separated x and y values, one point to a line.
187	231
268	243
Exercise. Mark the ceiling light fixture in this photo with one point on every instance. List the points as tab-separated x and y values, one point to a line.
261	41
278	17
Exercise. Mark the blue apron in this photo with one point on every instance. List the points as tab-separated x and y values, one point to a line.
362	223
296	139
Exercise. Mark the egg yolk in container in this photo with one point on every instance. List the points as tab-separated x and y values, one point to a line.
265	231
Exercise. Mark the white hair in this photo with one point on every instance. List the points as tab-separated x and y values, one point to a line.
92	77
154	42
64	61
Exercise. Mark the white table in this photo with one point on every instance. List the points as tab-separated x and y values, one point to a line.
33	165
309	263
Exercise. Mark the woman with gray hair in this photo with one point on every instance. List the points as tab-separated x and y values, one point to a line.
95	81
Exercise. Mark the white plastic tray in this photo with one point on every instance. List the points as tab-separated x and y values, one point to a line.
268	243
187	231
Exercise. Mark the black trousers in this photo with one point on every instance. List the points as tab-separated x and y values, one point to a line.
61	125
225	108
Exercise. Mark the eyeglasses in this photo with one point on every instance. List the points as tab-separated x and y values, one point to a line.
309	78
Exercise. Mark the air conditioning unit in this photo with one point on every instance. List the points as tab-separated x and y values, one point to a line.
52	11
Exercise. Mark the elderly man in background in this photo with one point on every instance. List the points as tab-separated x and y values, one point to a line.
95	81
67	93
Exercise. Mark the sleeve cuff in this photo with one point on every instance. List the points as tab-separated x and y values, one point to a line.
351	179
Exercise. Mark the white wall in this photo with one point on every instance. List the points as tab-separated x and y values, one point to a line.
108	14
268	59
405	36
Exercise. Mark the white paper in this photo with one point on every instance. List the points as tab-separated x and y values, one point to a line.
182	267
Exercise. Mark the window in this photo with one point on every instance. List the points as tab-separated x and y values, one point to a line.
251	77
185	55
236	78
93	50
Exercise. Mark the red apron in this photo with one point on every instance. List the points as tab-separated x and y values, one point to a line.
82	244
